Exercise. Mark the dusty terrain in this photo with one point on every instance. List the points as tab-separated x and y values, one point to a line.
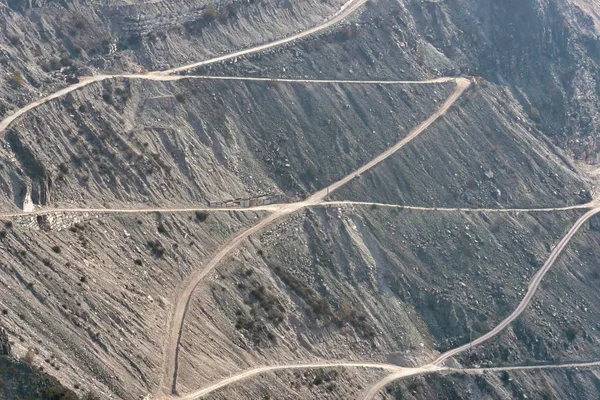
125	282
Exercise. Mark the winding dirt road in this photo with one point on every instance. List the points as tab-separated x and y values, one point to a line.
398	372
461	85
159	76
576	365
260	370
185	290
532	289
591	204
276	207
345	11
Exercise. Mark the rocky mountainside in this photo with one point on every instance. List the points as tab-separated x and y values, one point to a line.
20	380
389	271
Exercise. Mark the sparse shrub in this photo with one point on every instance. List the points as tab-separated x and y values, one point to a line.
54	64
17	78
318	307
124	94
346	33
108	98
201	216
572	332
138	262
210	13
311	172
156	248
56	249
29	357
83	279
161	229
223	13
181	97
534	114
63	168
66	61
133	41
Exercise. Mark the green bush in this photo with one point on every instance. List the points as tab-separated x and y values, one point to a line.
210	13
201	216
17	78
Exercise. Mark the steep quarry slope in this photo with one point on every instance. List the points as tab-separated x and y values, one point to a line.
20	380
563	322
310	383
91	293
482	154
146	142
493	135
511	385
46	43
546	52
362	284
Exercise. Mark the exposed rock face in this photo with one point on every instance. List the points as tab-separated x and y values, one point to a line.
21	380
4	343
94	291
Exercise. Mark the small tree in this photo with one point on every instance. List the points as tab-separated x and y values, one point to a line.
201	216
18	78
210	13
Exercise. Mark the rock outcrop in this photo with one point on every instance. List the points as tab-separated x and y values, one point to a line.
4	343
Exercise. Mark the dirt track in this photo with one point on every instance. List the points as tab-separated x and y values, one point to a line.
345	11
158	76
256	371
185	290
399	372
533	286
187	287
276	207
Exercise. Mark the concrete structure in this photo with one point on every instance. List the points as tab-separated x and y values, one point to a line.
250	202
